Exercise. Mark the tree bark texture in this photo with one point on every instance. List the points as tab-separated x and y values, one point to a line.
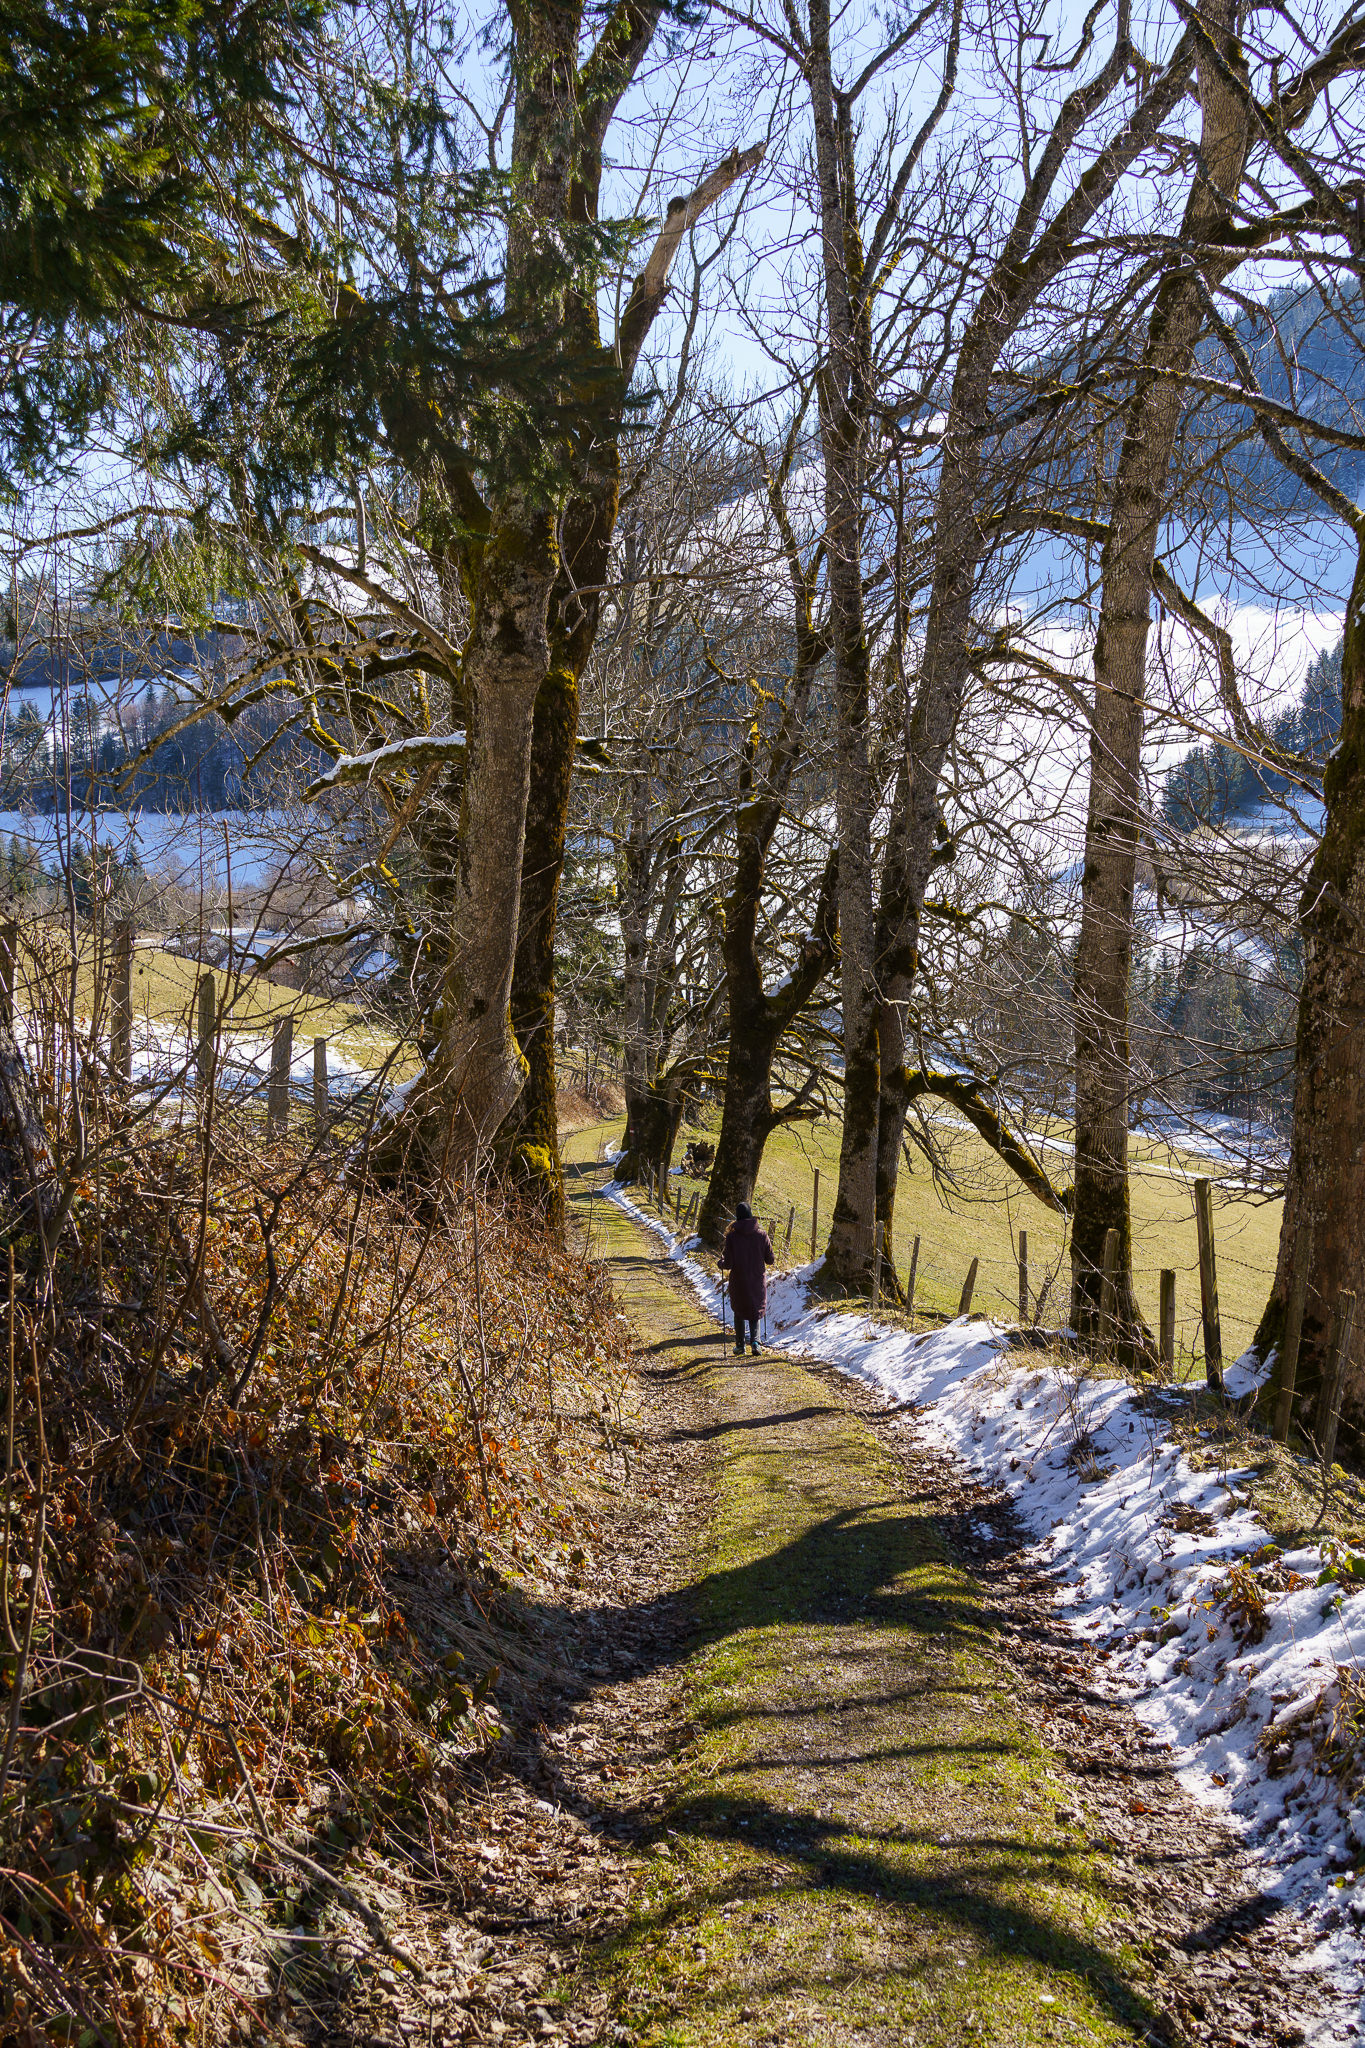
530	1140
1113	822
845	395
1033	254
476	1070
1326	1182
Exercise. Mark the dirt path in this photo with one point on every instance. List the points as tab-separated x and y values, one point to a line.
884	1802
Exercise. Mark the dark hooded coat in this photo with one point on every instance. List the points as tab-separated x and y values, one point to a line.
746	1251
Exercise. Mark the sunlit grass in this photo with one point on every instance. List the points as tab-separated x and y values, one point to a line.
165	986
983	1217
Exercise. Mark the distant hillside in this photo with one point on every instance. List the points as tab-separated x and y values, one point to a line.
1214	785
96	721
1308	358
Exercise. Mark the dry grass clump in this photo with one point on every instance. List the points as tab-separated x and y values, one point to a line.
1339	1741
278	1451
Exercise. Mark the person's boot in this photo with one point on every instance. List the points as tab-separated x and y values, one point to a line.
739	1351
753	1351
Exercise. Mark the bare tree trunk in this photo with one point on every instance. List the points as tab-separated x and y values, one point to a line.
530	1141
1326	1184
1032	256
845	393
1104	953
758	1022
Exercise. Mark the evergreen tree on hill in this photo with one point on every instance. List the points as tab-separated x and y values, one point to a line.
121	126
1215	784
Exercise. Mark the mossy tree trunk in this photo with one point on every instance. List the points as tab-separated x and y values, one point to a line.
1326	1180
531	630
1113	823
475	1070
529	1143
758	1023
654	1112
529	1139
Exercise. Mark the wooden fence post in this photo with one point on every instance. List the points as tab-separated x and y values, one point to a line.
1109	1282
281	1061
877	1272
1329	1409
1208	1287
1023	1276
121	1003
910	1281
9	947
1293	1330
207	1026
1168	1320
814	1214
319	1086
968	1289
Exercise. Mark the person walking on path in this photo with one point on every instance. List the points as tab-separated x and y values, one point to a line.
747	1250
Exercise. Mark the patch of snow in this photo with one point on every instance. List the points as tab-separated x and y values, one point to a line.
1140	1547
421	747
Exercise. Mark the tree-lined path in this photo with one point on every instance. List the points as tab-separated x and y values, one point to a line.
906	1816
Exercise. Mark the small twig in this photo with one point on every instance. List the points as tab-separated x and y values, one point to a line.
475	1417
10	1636
34	1578
348	1898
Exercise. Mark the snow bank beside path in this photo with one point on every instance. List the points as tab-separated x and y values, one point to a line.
1243	1662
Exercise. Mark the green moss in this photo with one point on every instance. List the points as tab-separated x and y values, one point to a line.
866	1843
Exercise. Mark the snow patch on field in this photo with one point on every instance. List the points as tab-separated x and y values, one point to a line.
1231	1654
164	1058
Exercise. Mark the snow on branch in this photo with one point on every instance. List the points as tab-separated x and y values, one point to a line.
423	750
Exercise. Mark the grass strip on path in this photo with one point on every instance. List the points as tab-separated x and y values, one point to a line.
867	1846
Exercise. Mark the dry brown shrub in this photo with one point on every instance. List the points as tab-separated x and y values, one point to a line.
285	1457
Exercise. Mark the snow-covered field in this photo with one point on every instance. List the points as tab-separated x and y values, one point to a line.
1239	1660
164	1061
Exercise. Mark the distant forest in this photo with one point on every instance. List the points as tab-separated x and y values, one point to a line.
112	738
1306	363
1215	785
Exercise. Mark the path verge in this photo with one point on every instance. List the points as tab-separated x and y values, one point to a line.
870	1842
